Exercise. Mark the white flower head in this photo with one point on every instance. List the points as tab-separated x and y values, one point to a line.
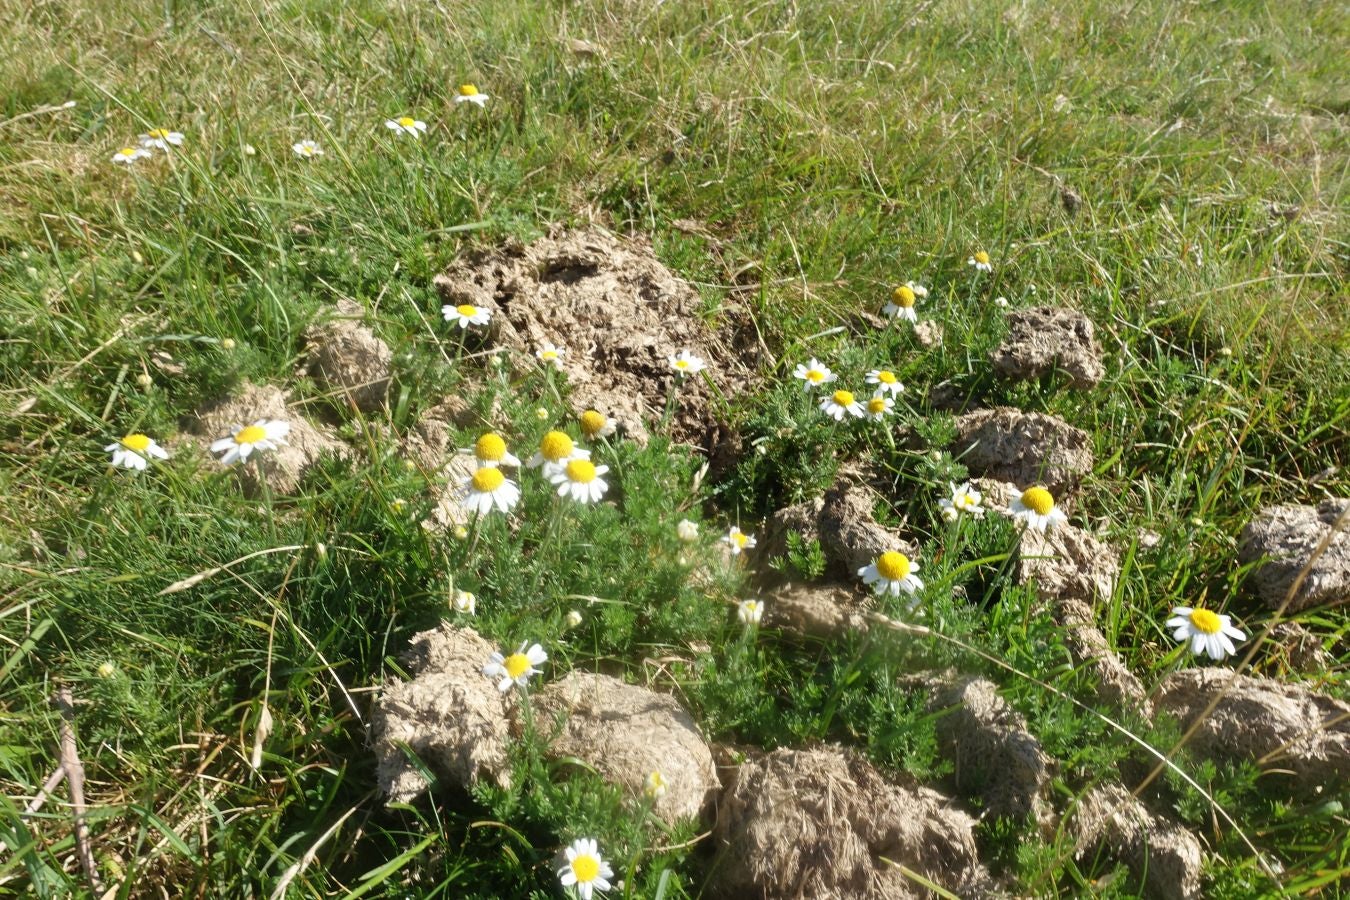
879	406
893	573
750	611
468	93
738	540
573	618
687	530
964	499
886	382
1036	508
161	139
980	262
585	869
813	374
134	451
464	602
1208	632
595	424
556	450
487	489
406	125
685	363
1001	302
263	434
129	155
655	786
841	403
550	355
490	451
902	303
517	668
580	479
307	149
466	314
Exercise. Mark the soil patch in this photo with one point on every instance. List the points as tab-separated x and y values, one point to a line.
1024	448
1286	537
346	357
815	612
1048	338
1161	854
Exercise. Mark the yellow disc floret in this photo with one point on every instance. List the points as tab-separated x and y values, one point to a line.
159	132
1039	500
876	406
981	257
903	295
516	665
815	376
893	566
586	868
487	479
466	310
1206	621
581	471
556	446
490	448
843	398
137	442
886	377
250	435
468	90
407	121
593	422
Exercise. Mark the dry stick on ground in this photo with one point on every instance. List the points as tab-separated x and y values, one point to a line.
74	769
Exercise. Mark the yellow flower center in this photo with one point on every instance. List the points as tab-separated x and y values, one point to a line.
964	501
655	782
516	665
843	398
250	435
981	257
740	539
159	132
593	422
815	376
467	90
548	355
137	442
893	566
581	471
681	363
488	479
1038	499
490	448
886	377
903	295
1206	621
467	310
556	446
586	868
408	122
127	151
876	406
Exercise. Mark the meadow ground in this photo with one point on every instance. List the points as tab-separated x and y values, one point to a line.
1176	171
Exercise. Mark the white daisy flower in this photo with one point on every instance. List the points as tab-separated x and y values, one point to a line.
161	139
466	314
307	149
685	363
464	601
738	540
134	451
750	611
965	499
1001	302
980	262
902	303
1208	632
490	450
893	573
687	530
263	434
879	407
580	479
886	382
556	450
470	94
1036	508
839	403
550	355
919	290
655	786
595	424
488	488
585	869
813	374
129	155
406	125
517	668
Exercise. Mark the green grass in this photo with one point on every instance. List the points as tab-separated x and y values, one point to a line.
827	150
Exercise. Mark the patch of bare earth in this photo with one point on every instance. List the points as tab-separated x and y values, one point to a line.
1286	537
1162	855
1007	444
348	359
1045	339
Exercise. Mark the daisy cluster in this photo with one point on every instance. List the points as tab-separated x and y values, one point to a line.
135	450
841	403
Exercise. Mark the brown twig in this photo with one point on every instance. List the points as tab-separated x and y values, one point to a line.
74	769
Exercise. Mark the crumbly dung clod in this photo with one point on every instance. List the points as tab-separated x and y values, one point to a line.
1023	448
849	532
1286	537
1047	338
1294	647
1116	684
625	732
823	822
450	715
1300	739
1068	563
817	612
283	467
346	357
1164	858
619	313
